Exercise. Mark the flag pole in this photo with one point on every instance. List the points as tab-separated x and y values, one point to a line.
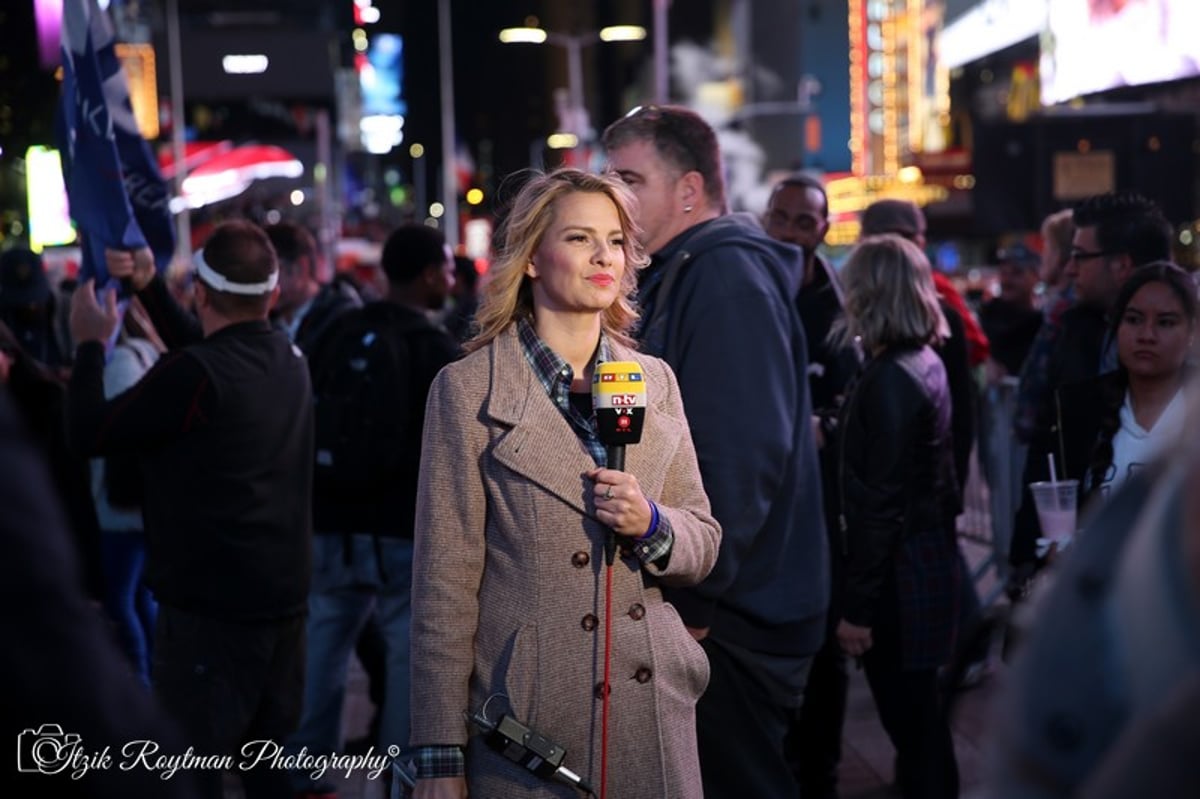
183	222
449	174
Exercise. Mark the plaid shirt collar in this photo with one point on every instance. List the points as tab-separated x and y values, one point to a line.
555	375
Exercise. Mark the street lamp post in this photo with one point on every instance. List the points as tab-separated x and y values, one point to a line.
578	121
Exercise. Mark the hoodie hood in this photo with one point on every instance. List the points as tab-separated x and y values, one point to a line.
785	261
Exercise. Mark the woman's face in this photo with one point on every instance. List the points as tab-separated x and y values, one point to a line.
1154	333
579	264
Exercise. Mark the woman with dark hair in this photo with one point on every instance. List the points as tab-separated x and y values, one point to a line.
898	501
1110	426
39	396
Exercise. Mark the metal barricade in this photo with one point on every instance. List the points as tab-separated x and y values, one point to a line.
994	487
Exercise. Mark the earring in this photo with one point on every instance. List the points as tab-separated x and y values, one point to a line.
687	209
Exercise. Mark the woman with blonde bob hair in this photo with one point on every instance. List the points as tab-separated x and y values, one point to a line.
515	504
898	501
890	295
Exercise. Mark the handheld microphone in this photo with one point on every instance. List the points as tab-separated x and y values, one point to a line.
619	401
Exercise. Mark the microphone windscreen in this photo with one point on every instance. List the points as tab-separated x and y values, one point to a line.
619	400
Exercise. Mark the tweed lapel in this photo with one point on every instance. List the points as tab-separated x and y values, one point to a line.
540	445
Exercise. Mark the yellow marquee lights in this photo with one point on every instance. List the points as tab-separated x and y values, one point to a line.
858	86
892	112
850	195
891	118
138	62
916	52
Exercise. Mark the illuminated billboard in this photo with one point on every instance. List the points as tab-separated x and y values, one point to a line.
49	218
1095	45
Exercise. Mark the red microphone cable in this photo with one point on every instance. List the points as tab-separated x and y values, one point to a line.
609	548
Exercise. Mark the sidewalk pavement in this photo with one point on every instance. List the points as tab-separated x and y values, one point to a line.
867	756
866	771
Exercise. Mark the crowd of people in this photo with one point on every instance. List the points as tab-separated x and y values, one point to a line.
246	486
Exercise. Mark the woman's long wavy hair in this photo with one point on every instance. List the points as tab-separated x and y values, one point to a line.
508	295
1184	288
890	296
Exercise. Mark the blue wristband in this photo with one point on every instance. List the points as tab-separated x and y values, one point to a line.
653	522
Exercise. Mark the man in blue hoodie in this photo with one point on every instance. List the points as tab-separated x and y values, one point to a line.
718	305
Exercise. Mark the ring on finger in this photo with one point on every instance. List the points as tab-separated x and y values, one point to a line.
608	494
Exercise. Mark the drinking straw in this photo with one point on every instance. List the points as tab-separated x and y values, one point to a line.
1053	480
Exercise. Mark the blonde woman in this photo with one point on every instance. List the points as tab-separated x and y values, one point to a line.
898	501
513	507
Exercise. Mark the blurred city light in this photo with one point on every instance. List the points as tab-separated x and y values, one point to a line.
436	210
523	36
49	220
622	33
562	141
574	117
248	64
416	150
297	197
474	196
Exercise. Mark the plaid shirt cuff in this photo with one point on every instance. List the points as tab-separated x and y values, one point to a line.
658	546
439	761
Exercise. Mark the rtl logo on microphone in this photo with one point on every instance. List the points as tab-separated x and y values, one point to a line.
619	399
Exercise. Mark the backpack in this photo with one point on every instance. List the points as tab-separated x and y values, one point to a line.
361	400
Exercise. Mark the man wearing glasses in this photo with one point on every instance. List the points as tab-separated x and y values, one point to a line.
1115	233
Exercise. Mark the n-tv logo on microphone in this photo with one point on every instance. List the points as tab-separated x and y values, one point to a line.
619	399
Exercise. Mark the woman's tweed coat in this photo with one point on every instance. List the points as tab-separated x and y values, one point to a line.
508	582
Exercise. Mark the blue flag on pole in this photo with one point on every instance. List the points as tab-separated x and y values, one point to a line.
116	193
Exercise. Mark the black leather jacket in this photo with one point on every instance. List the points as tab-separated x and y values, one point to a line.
896	469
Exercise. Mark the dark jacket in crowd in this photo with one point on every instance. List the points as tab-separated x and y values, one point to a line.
953	352
718	306
830	366
898	503
386	508
1079	410
1092	703
1075	358
61	665
1010	329
39	398
333	300
224	429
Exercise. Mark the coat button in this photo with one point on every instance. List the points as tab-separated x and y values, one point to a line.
589	622
580	559
601	689
637	612
643	675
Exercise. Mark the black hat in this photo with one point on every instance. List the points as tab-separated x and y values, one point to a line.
23	280
892	216
1019	255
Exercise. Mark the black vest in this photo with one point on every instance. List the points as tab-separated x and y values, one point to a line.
228	506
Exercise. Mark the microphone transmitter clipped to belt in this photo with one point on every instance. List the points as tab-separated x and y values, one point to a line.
529	749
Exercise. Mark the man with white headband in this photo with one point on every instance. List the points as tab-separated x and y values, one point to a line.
223	427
